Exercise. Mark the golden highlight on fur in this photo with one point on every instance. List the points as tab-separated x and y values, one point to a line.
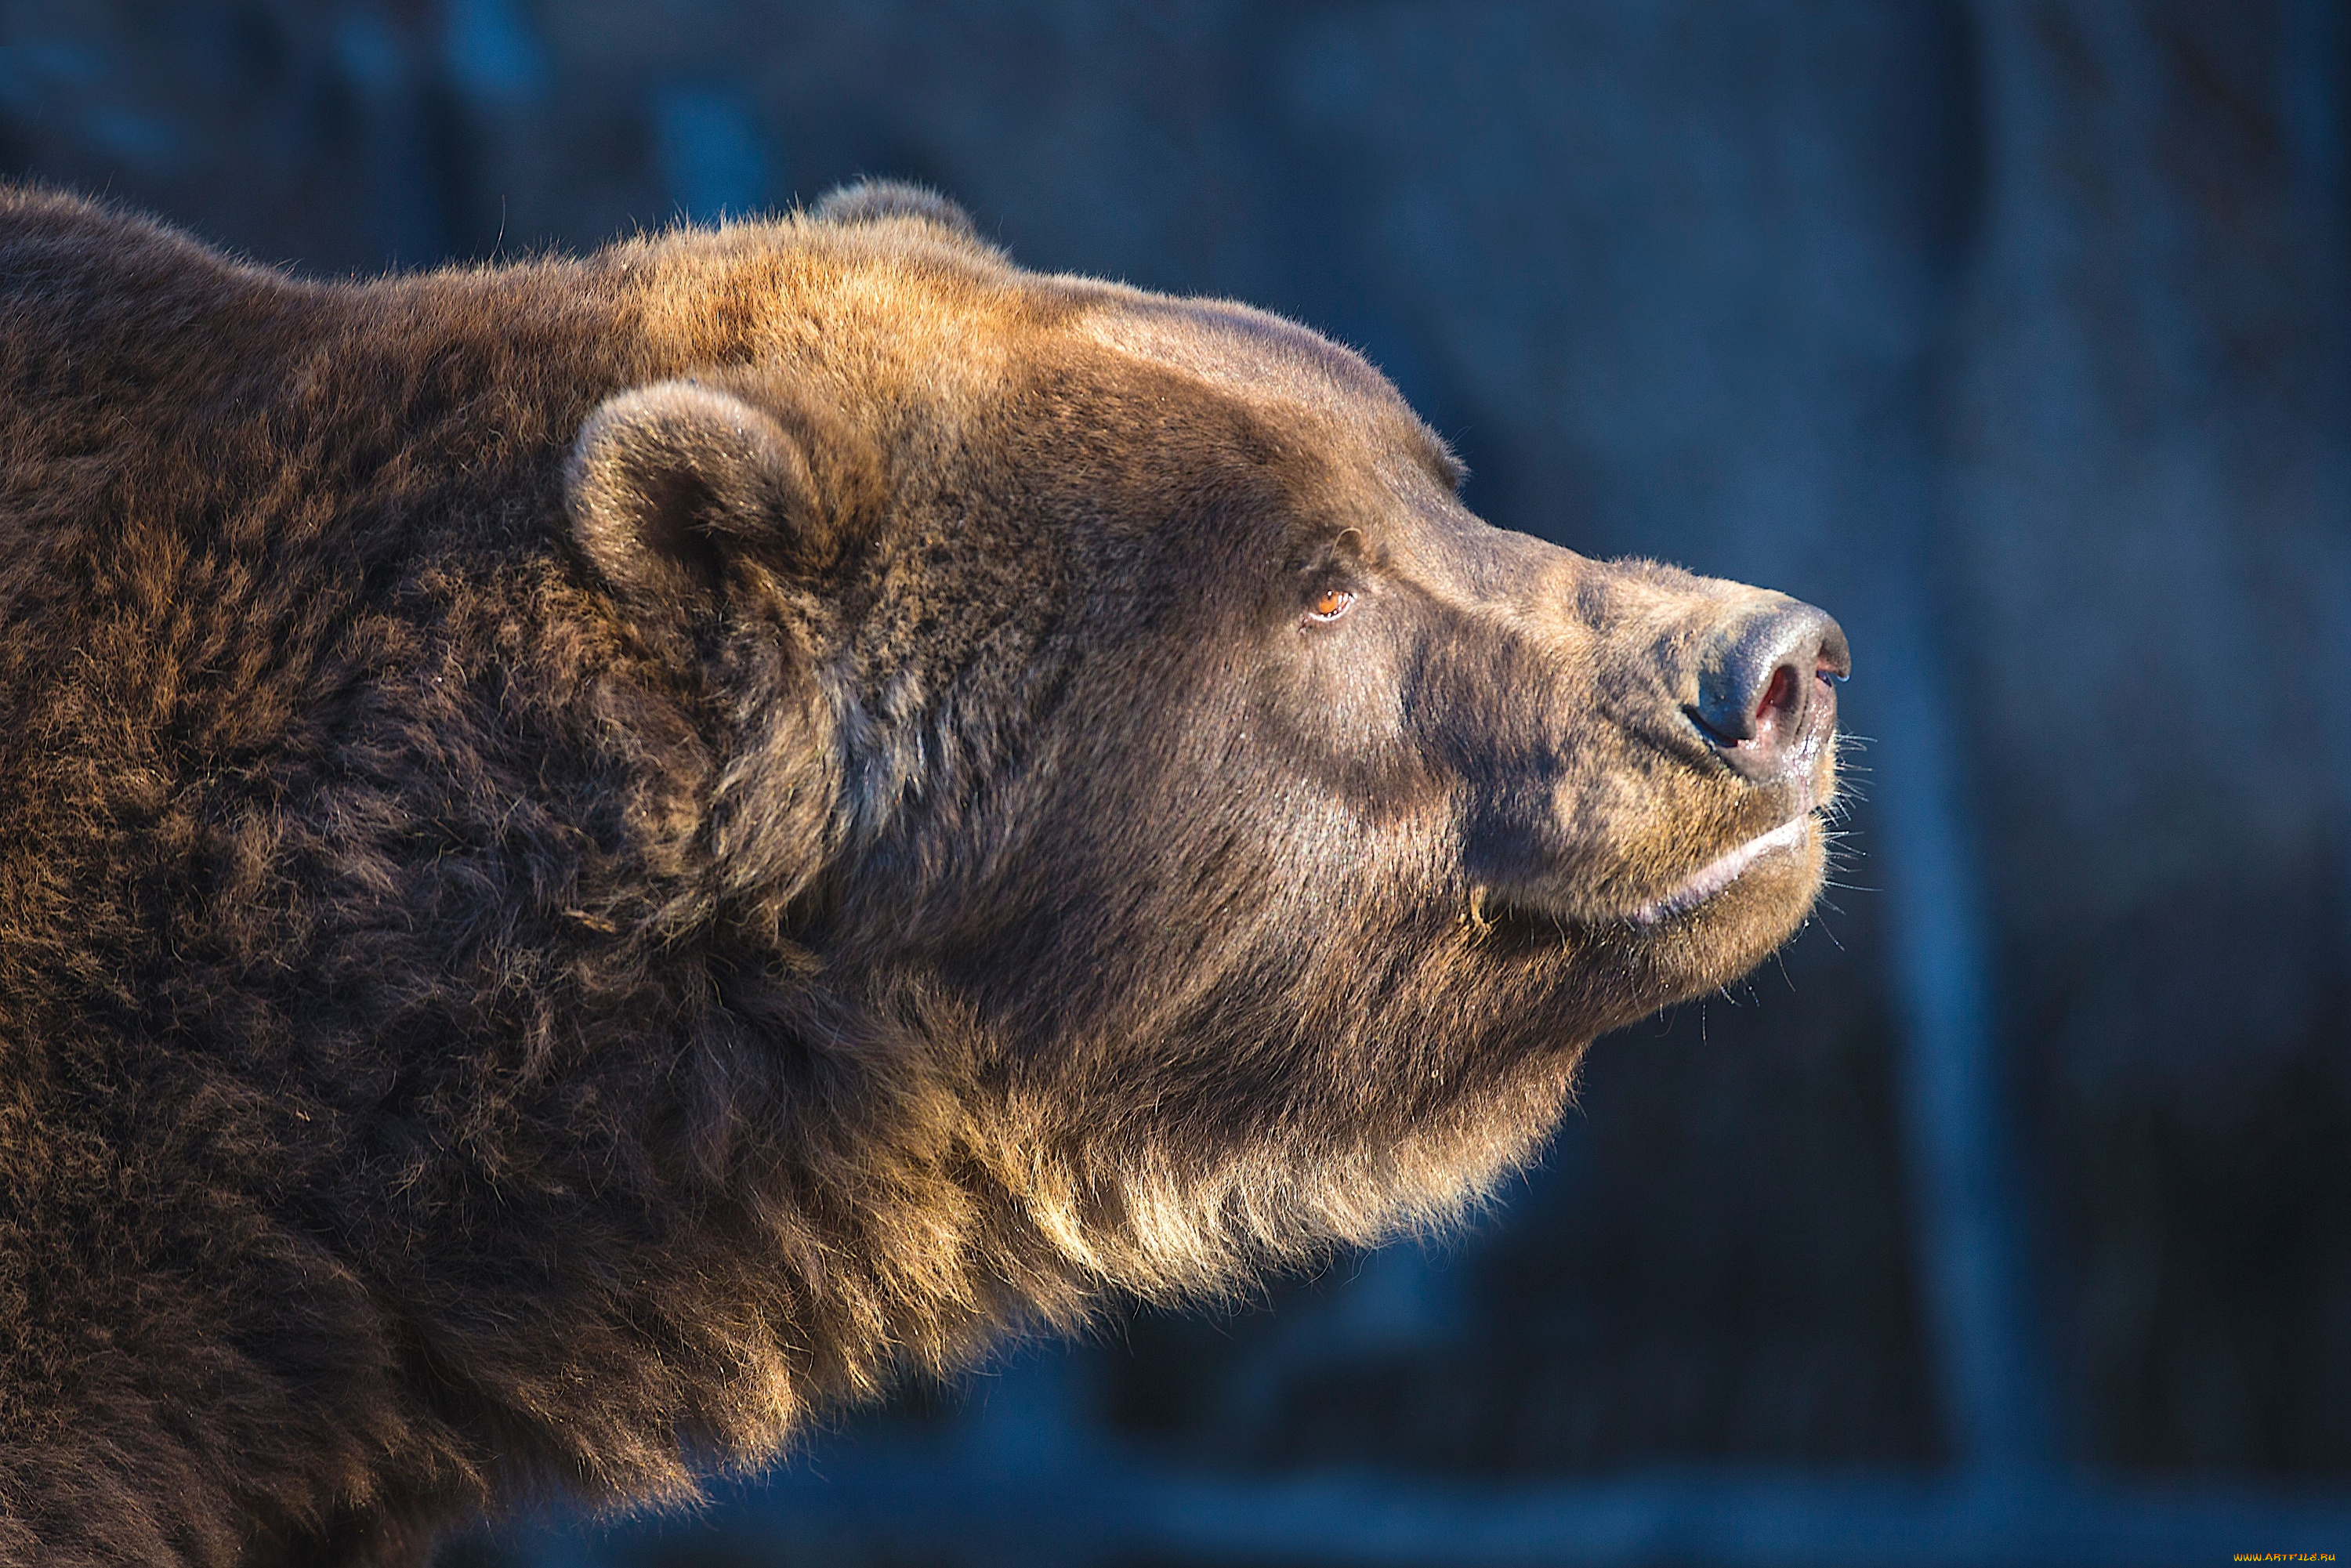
600	854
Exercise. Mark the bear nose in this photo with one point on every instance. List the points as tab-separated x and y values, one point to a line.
1766	697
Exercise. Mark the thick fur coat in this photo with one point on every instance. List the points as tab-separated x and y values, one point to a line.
597	854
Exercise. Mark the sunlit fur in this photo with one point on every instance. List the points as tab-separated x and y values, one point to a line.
596	856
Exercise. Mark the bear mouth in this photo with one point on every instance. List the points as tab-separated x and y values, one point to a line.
1530	915
1717	875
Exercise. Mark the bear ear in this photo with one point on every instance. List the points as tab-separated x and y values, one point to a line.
879	201
667	484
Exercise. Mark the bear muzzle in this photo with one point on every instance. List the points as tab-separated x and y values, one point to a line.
1722	793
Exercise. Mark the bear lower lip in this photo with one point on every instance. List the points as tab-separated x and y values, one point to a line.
1719	875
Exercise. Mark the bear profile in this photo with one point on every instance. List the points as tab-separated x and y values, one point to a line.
601	854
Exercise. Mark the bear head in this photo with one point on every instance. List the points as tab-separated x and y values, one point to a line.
1124	701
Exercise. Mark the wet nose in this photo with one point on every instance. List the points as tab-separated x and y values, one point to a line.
1766	693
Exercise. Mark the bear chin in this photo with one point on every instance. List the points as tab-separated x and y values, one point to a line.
1711	929
1714	942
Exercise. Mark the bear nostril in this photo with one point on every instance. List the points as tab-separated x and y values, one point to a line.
1764	686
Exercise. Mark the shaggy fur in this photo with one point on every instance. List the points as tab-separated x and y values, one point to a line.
598	854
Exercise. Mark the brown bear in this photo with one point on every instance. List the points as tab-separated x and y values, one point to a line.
597	854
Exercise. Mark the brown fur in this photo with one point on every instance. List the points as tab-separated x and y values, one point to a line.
599	853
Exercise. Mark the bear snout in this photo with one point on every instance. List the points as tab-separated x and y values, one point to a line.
1767	692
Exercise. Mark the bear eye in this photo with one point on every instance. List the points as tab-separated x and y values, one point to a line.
1331	603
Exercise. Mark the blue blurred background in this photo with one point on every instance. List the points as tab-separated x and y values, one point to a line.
2007	1217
